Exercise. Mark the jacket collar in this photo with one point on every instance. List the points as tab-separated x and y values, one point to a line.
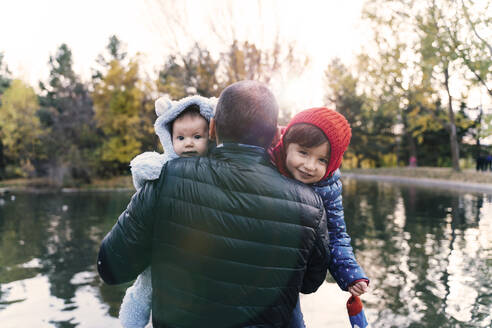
249	153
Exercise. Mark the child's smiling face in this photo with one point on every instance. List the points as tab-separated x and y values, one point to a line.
190	136
307	164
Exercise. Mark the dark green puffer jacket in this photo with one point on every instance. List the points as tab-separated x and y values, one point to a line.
230	241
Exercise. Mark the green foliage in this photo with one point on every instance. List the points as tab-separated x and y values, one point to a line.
194	73
4	76
421	48
115	48
123	112
432	136
20	128
5	81
116	51
391	97
67	114
371	123
487	126
470	45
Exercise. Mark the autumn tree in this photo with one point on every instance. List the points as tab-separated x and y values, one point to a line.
426	40
469	34
471	41
439	57
20	129
452	44
123	108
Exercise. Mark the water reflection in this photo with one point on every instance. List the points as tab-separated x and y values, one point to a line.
48	245
428	254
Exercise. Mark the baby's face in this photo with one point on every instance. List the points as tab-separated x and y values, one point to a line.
307	164
190	136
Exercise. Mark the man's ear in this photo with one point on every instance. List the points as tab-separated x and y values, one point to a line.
211	130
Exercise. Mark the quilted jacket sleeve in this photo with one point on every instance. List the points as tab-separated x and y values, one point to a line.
343	265
126	250
317	266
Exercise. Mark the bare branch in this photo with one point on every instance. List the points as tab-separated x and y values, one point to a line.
466	60
473	27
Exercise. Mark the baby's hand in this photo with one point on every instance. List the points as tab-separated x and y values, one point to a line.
146	167
358	288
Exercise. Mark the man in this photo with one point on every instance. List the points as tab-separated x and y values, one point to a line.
230	241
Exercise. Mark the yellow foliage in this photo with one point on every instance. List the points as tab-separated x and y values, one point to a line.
389	160
120	149
20	127
121	110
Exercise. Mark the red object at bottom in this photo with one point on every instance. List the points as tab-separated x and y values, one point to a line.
356	313
354	305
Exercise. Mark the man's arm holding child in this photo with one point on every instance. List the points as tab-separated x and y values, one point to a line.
317	266
126	250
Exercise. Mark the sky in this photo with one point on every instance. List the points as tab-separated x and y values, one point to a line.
322	30
31	31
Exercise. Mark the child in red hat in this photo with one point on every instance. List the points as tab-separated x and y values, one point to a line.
310	150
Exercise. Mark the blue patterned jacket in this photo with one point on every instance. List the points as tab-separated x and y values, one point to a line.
343	266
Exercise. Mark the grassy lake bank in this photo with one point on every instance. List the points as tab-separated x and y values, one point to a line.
418	175
123	182
437	177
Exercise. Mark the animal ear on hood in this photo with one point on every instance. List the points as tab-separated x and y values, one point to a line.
213	102
162	105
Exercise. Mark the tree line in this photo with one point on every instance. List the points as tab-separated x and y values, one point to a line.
422	52
72	131
396	96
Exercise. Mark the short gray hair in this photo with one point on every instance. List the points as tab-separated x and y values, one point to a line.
247	112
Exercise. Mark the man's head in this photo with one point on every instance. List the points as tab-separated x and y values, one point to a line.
189	132
246	113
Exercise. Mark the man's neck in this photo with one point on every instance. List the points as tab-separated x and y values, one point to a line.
224	144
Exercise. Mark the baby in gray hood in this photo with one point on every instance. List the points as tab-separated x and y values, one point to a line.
182	127
175	115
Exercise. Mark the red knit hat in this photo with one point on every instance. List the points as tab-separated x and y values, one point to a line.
334	126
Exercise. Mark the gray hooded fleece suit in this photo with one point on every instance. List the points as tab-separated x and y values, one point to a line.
137	303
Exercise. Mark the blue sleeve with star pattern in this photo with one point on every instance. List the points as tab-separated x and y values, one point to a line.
343	266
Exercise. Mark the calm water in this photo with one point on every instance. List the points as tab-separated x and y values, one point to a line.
428	254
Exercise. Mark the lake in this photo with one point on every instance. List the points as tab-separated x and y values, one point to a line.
427	252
